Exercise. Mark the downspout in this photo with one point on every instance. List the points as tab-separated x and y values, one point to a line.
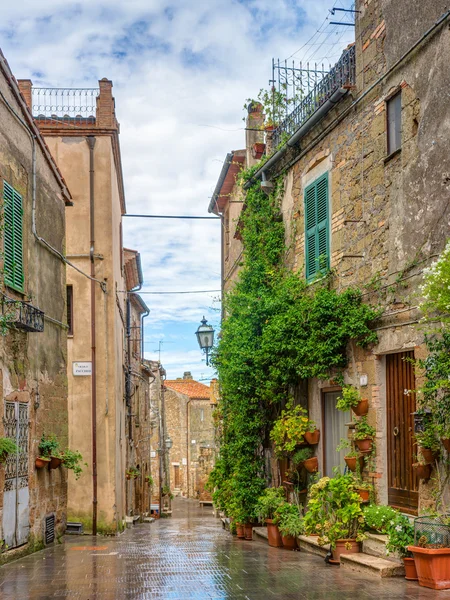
143	316
128	366
91	143
187	446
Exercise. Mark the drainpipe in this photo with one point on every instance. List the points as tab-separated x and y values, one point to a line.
91	143
187	446
128	366
143	316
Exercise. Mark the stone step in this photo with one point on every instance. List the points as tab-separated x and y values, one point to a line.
372	565
308	543
260	532
375	545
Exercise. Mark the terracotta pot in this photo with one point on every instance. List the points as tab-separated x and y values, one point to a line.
289	542
342	549
41	462
433	567
273	534
410	569
258	149
446	443
429	456
362	408
240	531
423	471
248	531
312	437
311	464
55	461
3	457
364	445
364	494
351	462
269	127
128	476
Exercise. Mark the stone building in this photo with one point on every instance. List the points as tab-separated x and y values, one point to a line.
33	344
81	130
189	424
368	155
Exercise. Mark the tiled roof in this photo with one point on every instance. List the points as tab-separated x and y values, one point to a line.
189	387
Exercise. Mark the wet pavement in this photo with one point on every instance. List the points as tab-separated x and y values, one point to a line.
189	557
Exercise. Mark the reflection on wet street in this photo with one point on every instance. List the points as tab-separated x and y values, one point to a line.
188	556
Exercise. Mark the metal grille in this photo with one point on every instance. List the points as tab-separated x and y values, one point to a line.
22	315
50	529
10	428
431	532
65	103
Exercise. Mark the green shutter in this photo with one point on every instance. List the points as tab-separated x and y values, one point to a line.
13	237
317	250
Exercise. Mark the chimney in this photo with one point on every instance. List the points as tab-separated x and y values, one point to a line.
106	112
187	375
254	133
26	87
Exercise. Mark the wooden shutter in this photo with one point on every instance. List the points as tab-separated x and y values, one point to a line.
316	227
13	237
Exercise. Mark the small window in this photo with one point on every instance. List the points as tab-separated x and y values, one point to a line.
317	244
69	292
394	123
13	238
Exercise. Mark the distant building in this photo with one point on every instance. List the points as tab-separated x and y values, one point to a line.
190	426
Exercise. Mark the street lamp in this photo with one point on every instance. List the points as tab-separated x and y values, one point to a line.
205	337
168	442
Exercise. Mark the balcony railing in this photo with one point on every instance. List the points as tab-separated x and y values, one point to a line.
343	74
22	315
65	103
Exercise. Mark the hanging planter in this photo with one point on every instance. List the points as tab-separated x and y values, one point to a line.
446	443
364	445
364	494
312	437
311	464
429	456
351	462
41	461
423	471
55	462
362	408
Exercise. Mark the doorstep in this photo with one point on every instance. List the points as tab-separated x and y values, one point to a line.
260	532
309	543
372	565
375	544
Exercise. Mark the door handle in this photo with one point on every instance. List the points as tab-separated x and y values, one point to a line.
396	431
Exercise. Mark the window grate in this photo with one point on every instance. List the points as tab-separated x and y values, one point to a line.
49	529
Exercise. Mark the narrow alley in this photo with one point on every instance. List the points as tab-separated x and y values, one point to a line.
188	557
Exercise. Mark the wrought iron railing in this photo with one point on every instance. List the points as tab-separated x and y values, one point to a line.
65	103
21	315
343	74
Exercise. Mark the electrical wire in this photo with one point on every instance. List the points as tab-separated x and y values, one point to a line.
176	292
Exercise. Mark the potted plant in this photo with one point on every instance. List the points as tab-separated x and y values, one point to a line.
133	473
49	452
379	517
289	429
312	435
166	491
431	550
400	532
428	443
149	480
363	435
72	460
290	524
422	469
364	490
334	511
268	503
7	446
258	149
350	399
353	458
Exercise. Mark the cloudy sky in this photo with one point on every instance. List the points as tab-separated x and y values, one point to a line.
181	72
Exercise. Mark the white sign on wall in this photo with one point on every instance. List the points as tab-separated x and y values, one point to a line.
184	461
153	454
80	369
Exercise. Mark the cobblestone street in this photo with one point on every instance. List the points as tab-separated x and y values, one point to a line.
187	557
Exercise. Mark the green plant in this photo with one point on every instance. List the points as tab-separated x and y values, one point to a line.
149	480
166	491
289	429
349	398
334	510
401	535
379	517
363	430
301	455
269	502
7	446
48	446
427	438
347	445
133	472
289	519
72	460
275	104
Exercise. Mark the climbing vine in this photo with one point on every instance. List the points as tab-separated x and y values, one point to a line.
277	331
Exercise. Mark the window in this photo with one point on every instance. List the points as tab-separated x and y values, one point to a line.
69	293
317	245
335	430
13	242
394	123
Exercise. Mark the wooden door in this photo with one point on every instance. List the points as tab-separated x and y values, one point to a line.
403	484
176	472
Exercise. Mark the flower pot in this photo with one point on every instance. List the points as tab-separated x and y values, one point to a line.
240	531
351	462
429	456
364	445
269	127
128	476
55	461
41	462
362	408
423	471
248	531
433	567
311	464
289	542
273	534
446	443
345	547
312	437
410	569
258	149
3	456
364	494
